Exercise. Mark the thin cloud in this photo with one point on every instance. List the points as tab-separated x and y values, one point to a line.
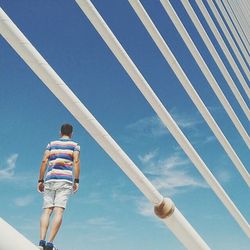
8	170
209	139
101	222
185	121
24	201
149	127
171	174
153	127
224	176
149	156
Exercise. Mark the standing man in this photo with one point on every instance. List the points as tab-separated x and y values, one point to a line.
62	157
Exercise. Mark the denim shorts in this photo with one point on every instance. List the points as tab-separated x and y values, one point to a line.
56	194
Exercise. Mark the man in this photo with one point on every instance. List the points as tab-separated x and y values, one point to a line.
62	157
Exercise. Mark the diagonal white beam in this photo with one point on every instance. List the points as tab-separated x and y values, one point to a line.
240	17
207	73
216	56
229	38
204	68
95	18
223	46
170	215
180	74
236	24
243	8
246	10
11	239
233	30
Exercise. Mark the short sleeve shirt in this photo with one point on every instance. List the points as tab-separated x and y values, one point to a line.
60	165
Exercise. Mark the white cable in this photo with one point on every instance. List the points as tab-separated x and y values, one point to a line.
229	38
168	55
112	42
243	8
176	222
216	56
204	68
246	8
236	24
223	46
234	31
241	18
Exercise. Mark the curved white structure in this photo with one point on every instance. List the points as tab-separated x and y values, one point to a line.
223	46
11	239
174	219
105	32
216	56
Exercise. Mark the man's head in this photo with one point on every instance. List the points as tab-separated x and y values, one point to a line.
66	129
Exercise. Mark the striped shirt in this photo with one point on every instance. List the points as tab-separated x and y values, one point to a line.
60	165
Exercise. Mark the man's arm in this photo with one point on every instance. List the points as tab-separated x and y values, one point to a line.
43	167
76	158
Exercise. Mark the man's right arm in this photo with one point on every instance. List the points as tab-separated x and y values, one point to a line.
43	168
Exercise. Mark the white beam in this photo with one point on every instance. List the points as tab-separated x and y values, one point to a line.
246	10
236	24
207	73
173	219
233	30
229	38
243	8
240	18
11	239
223	46
216	56
117	49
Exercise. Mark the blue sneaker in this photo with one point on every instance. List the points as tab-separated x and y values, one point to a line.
50	246
42	244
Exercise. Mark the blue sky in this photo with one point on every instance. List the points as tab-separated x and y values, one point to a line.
109	212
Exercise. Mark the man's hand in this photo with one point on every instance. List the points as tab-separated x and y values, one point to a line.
75	187
40	187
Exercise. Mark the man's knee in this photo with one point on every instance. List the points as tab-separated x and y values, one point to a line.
58	210
47	211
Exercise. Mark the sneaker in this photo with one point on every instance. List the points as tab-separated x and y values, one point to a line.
50	246
42	244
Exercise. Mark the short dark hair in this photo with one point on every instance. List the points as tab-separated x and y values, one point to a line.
66	129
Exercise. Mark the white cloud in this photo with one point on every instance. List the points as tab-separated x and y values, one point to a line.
153	127
148	126
223	176
171	175
145	208
149	156
185	121
8	170
101	222
209	139
24	201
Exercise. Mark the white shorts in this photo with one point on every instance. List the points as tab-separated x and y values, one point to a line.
56	194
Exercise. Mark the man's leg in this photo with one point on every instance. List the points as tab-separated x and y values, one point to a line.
56	223
44	222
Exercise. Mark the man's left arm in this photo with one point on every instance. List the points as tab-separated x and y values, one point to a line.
76	159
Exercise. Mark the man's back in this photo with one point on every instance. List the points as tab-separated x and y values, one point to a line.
60	162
